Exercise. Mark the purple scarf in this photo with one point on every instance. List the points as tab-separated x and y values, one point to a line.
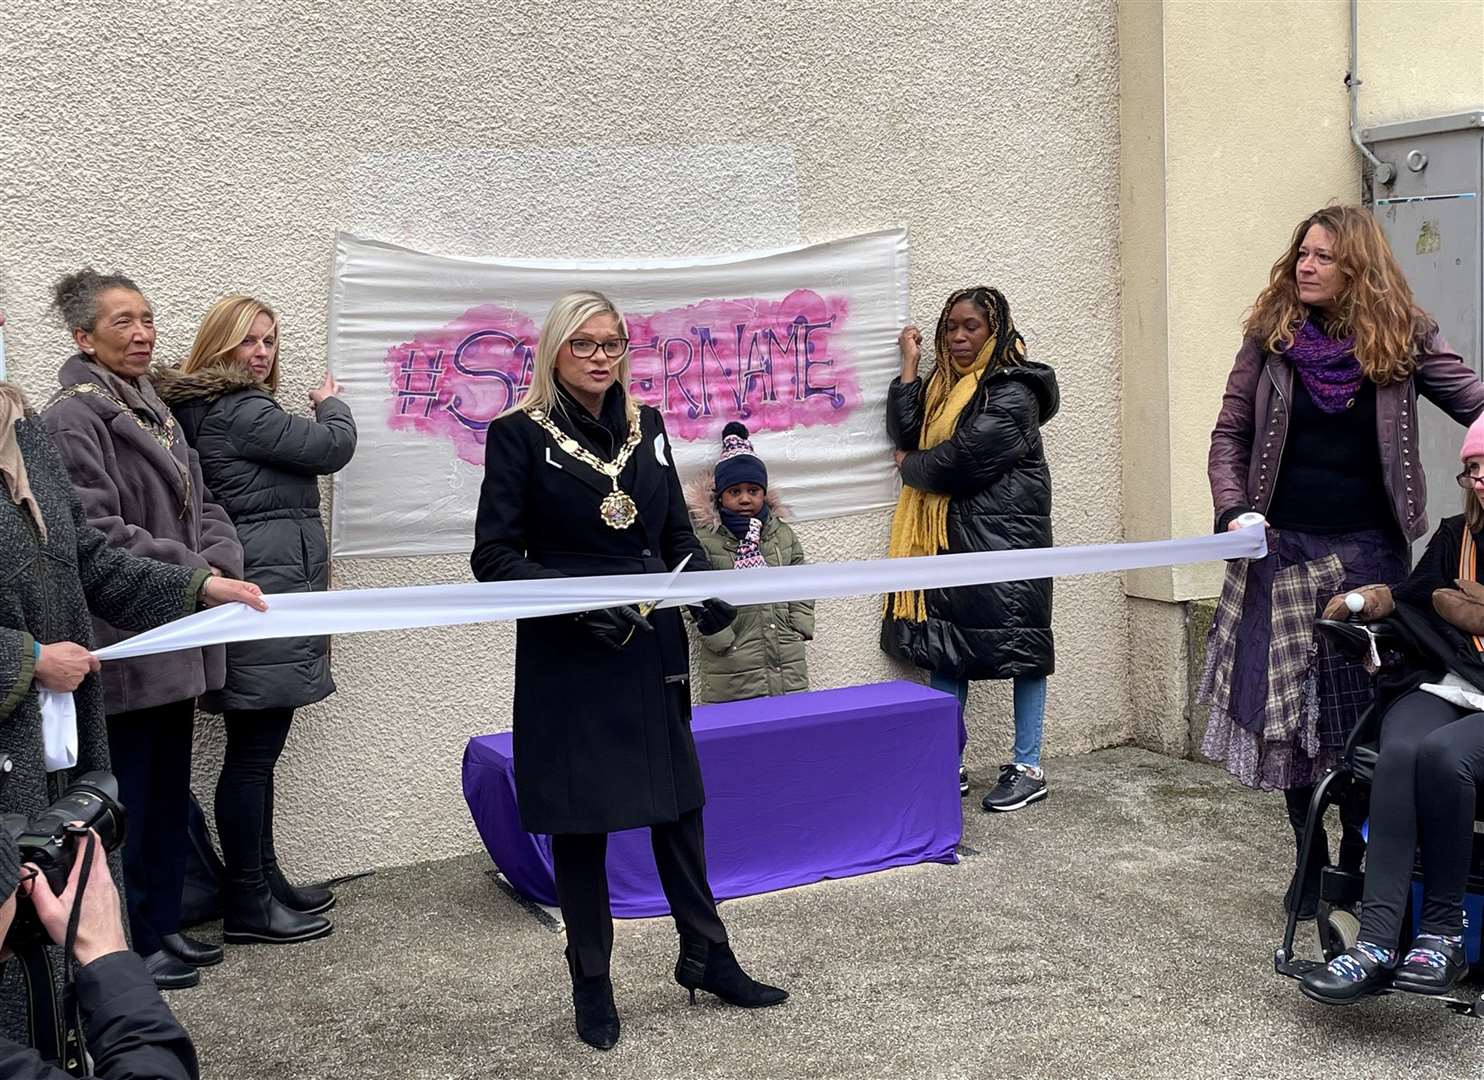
1328	367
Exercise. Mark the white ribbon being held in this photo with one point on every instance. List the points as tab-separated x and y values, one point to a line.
352	611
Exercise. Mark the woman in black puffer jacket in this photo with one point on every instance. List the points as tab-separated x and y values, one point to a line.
974	475
263	466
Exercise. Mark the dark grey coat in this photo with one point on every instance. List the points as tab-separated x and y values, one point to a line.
130	485
46	592
263	466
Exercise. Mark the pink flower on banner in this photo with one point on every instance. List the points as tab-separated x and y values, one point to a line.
774	364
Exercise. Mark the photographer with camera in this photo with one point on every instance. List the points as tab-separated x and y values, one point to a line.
127	1027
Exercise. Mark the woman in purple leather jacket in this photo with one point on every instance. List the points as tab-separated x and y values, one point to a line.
1318	433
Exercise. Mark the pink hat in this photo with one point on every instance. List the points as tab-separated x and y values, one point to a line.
1473	442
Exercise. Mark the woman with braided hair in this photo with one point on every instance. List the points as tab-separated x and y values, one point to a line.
974	478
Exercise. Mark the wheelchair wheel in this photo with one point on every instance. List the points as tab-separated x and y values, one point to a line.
1344	931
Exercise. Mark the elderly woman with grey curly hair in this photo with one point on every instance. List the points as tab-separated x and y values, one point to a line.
140	484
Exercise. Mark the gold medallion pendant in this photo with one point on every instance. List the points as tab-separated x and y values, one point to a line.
618	510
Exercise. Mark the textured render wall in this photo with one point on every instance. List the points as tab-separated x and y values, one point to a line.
206	149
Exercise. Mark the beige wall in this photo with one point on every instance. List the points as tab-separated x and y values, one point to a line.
206	149
1234	127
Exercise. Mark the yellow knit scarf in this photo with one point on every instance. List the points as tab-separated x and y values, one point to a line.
920	524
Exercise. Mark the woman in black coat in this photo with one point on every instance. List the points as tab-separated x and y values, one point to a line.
974	475
578	481
263	466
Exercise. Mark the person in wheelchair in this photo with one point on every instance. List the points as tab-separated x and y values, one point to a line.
1429	766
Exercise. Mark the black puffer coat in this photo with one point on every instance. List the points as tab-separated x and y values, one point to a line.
262	465
994	470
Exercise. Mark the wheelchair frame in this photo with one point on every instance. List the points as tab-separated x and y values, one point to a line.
1340	889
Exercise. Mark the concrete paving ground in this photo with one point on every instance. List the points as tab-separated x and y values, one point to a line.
1122	928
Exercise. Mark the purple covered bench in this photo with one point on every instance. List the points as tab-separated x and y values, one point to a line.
801	788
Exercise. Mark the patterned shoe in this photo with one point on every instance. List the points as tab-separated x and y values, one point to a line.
1020	785
1434	965
1350	976
963	781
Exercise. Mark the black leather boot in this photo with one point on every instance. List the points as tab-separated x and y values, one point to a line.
592	1004
305	899
252	915
193	952
710	966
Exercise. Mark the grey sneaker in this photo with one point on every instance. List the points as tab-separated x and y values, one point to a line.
1020	785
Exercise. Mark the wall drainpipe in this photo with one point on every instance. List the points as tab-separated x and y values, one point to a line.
1382	172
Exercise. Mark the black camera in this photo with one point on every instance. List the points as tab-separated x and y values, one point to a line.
50	840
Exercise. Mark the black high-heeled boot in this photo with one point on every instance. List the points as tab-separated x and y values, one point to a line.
592	1004
710	966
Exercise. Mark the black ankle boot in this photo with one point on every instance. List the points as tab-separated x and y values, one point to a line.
592	1004
193	952
707	965
252	915
305	899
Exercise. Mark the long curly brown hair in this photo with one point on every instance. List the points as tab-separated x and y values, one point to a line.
1375	302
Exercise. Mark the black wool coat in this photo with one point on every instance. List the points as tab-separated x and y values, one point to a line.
263	466
993	468
602	737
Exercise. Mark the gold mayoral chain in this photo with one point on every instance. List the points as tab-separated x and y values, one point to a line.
617	509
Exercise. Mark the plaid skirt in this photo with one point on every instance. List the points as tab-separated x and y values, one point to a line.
1282	702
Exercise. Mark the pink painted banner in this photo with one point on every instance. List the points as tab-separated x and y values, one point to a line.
799	344
773	364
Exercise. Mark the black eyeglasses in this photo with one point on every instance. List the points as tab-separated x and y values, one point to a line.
613	348
1467	480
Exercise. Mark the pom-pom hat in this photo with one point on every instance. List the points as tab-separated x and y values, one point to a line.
739	463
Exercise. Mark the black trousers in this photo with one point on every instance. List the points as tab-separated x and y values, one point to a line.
151	752
579	863
1425	790
244	791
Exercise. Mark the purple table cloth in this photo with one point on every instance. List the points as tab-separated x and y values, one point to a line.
800	788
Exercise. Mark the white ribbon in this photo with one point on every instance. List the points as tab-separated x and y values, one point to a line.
352	611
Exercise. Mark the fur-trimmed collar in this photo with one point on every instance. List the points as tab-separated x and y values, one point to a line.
700	496
175	387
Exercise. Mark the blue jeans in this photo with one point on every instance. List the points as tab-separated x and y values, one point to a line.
1030	712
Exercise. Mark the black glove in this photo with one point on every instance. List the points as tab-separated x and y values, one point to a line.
713	616
614	626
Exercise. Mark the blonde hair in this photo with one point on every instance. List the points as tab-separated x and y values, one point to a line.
226	323
563	320
1375	302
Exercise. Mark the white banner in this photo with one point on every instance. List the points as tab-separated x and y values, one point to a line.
349	611
799	344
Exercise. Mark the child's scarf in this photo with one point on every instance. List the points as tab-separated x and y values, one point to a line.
748	531
920	525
